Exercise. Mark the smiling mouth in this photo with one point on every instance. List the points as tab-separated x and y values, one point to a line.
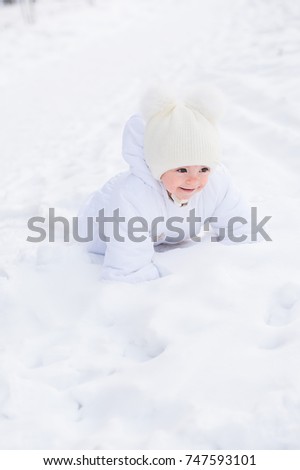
188	189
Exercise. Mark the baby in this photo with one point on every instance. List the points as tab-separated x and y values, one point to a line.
175	187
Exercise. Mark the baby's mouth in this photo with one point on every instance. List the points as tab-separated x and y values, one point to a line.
187	189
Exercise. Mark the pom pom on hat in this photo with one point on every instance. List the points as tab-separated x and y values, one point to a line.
181	132
156	100
205	98
208	100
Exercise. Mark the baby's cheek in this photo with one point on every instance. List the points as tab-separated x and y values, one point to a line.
205	180
202	184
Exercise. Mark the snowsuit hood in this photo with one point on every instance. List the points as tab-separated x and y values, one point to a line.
133	150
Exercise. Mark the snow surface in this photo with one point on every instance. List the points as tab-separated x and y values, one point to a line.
207	357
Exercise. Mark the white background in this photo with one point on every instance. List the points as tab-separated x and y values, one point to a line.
207	357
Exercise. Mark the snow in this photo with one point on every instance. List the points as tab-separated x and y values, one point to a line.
208	356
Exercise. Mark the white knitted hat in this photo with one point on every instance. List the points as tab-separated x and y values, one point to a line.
181	132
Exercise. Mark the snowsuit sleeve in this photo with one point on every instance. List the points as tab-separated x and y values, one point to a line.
127	259
232	216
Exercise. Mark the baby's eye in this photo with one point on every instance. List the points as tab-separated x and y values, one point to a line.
204	169
181	170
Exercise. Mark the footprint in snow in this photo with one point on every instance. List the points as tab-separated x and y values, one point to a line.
138	341
144	348
284	305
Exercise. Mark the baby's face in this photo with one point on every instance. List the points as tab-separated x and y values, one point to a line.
185	181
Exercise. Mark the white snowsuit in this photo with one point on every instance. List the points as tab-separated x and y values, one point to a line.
137	193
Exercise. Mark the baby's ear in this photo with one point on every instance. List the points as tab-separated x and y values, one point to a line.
156	100
208	100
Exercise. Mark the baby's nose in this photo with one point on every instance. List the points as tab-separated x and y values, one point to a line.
191	179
